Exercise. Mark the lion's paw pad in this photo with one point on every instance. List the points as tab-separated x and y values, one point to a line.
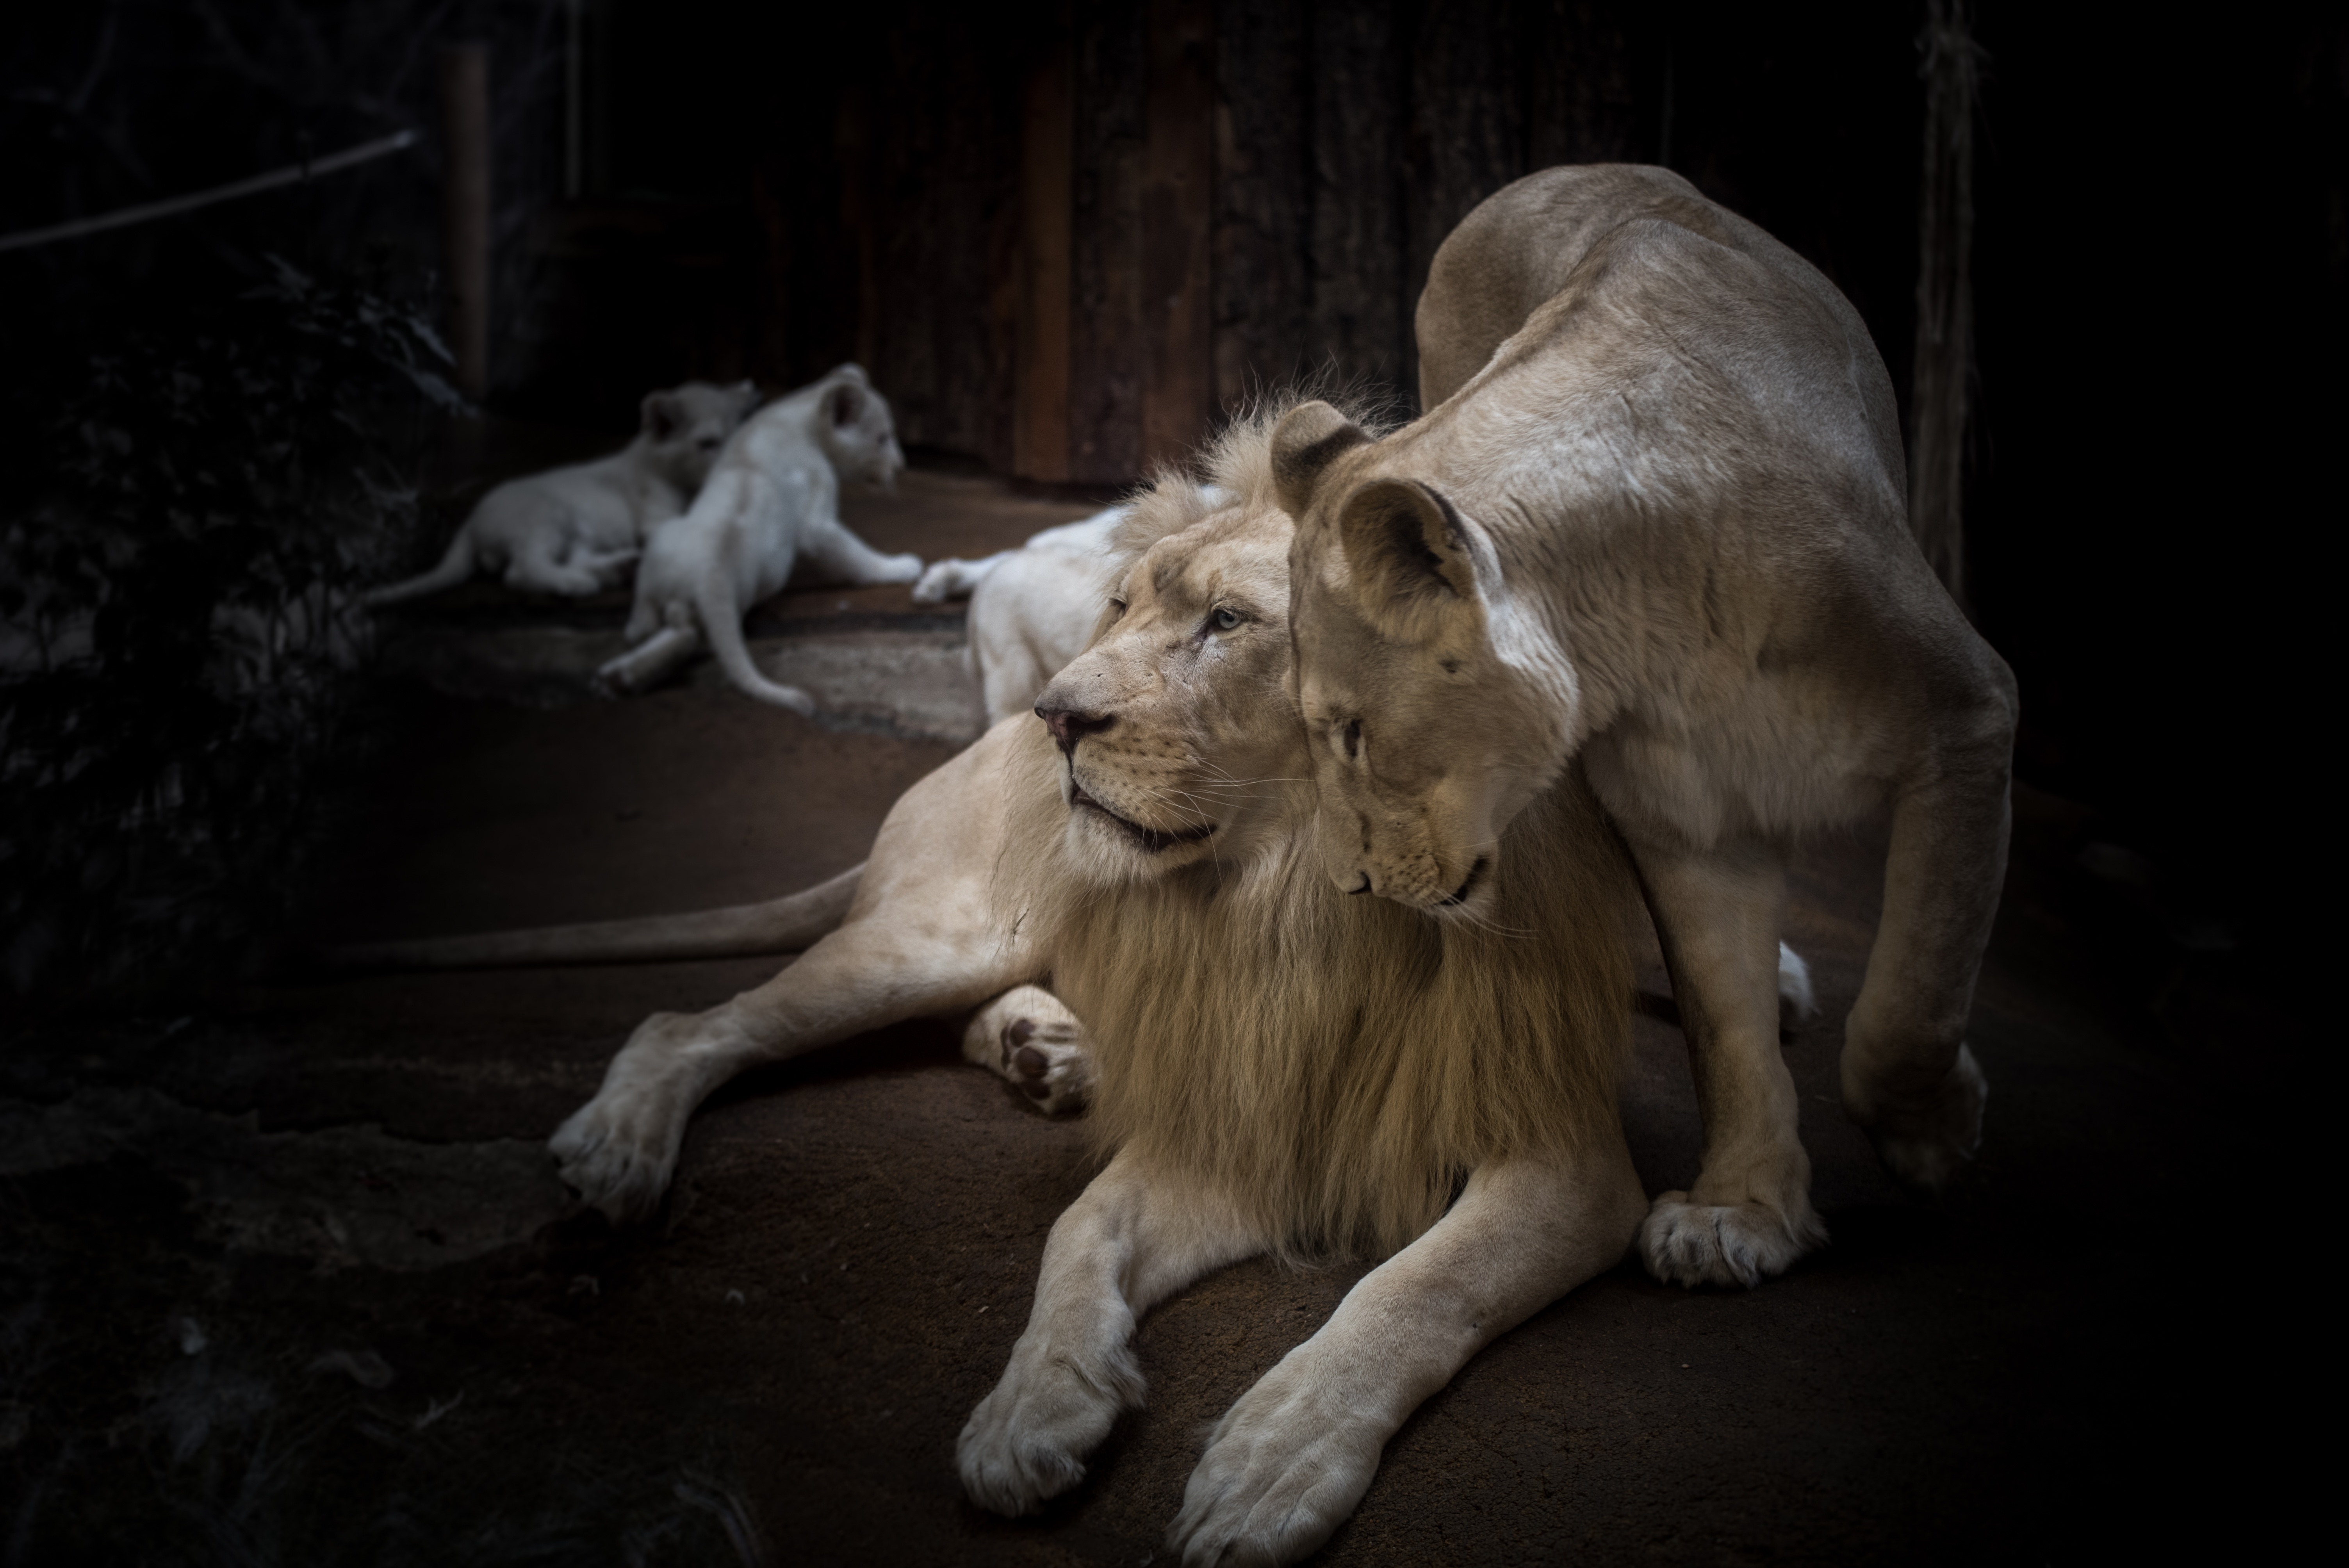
1714	1244
1028	1039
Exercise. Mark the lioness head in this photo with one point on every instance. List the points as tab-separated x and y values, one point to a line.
1178	735
684	427
854	426
1422	700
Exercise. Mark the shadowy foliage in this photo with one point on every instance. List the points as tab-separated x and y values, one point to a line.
179	628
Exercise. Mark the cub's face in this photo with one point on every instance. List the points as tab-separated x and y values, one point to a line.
1177	731
858	433
688	425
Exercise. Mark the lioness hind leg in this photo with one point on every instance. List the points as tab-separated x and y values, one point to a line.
1908	1078
1027	1039
1748	1215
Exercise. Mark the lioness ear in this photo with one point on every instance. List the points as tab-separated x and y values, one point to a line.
659	415
845	401
1307	438
1408	553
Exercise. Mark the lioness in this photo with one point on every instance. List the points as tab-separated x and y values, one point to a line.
772	499
573	530
1653	521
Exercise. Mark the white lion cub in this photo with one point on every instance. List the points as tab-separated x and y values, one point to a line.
573	530
772	498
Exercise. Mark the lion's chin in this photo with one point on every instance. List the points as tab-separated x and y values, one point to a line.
1149	840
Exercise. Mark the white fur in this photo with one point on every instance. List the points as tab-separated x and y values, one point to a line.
575	531
772	500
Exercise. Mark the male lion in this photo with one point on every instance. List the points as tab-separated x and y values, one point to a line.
1659	529
1282	1068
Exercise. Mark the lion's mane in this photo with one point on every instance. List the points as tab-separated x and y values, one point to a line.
1336	1066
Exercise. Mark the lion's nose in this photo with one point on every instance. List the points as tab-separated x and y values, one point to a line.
1067	724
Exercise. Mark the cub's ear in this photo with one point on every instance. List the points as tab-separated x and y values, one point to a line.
848	371
1307	438
1407	551
845	401
659	416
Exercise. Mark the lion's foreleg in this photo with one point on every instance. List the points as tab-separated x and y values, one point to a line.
1748	1215
1291	1460
1908	1076
1136	1236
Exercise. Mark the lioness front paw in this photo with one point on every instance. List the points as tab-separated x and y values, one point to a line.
1725	1243
1027	1441
1286	1466
1032	1042
1926	1143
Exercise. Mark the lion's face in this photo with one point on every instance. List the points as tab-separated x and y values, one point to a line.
1177	729
857	431
688	425
1426	738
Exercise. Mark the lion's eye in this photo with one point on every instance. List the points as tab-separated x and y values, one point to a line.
1116	608
1353	739
1224	619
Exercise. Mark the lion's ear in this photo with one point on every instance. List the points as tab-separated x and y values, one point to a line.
1307	438
659	415
1407	551
845	402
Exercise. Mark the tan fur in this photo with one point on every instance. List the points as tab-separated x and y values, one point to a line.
1282	1068
1652	523
1352	1060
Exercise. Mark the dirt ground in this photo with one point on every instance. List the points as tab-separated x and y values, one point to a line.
289	1280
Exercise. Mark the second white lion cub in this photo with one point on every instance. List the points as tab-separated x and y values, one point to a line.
772	498
573	530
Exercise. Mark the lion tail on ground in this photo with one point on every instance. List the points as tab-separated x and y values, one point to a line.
721	623
780	925
456	567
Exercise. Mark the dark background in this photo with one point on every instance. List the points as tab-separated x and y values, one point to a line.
1067	240
766	191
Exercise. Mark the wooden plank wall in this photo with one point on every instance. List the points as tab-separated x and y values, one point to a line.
1069	241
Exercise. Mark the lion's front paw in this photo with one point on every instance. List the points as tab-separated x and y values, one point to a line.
1036	1045
1286	1467
1725	1243
1926	1143
901	569
1027	1441
940	582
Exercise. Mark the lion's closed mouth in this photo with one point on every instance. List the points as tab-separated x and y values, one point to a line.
1467	887
1151	838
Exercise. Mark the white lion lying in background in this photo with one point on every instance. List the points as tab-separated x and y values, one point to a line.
772	499
1031	609
573	530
